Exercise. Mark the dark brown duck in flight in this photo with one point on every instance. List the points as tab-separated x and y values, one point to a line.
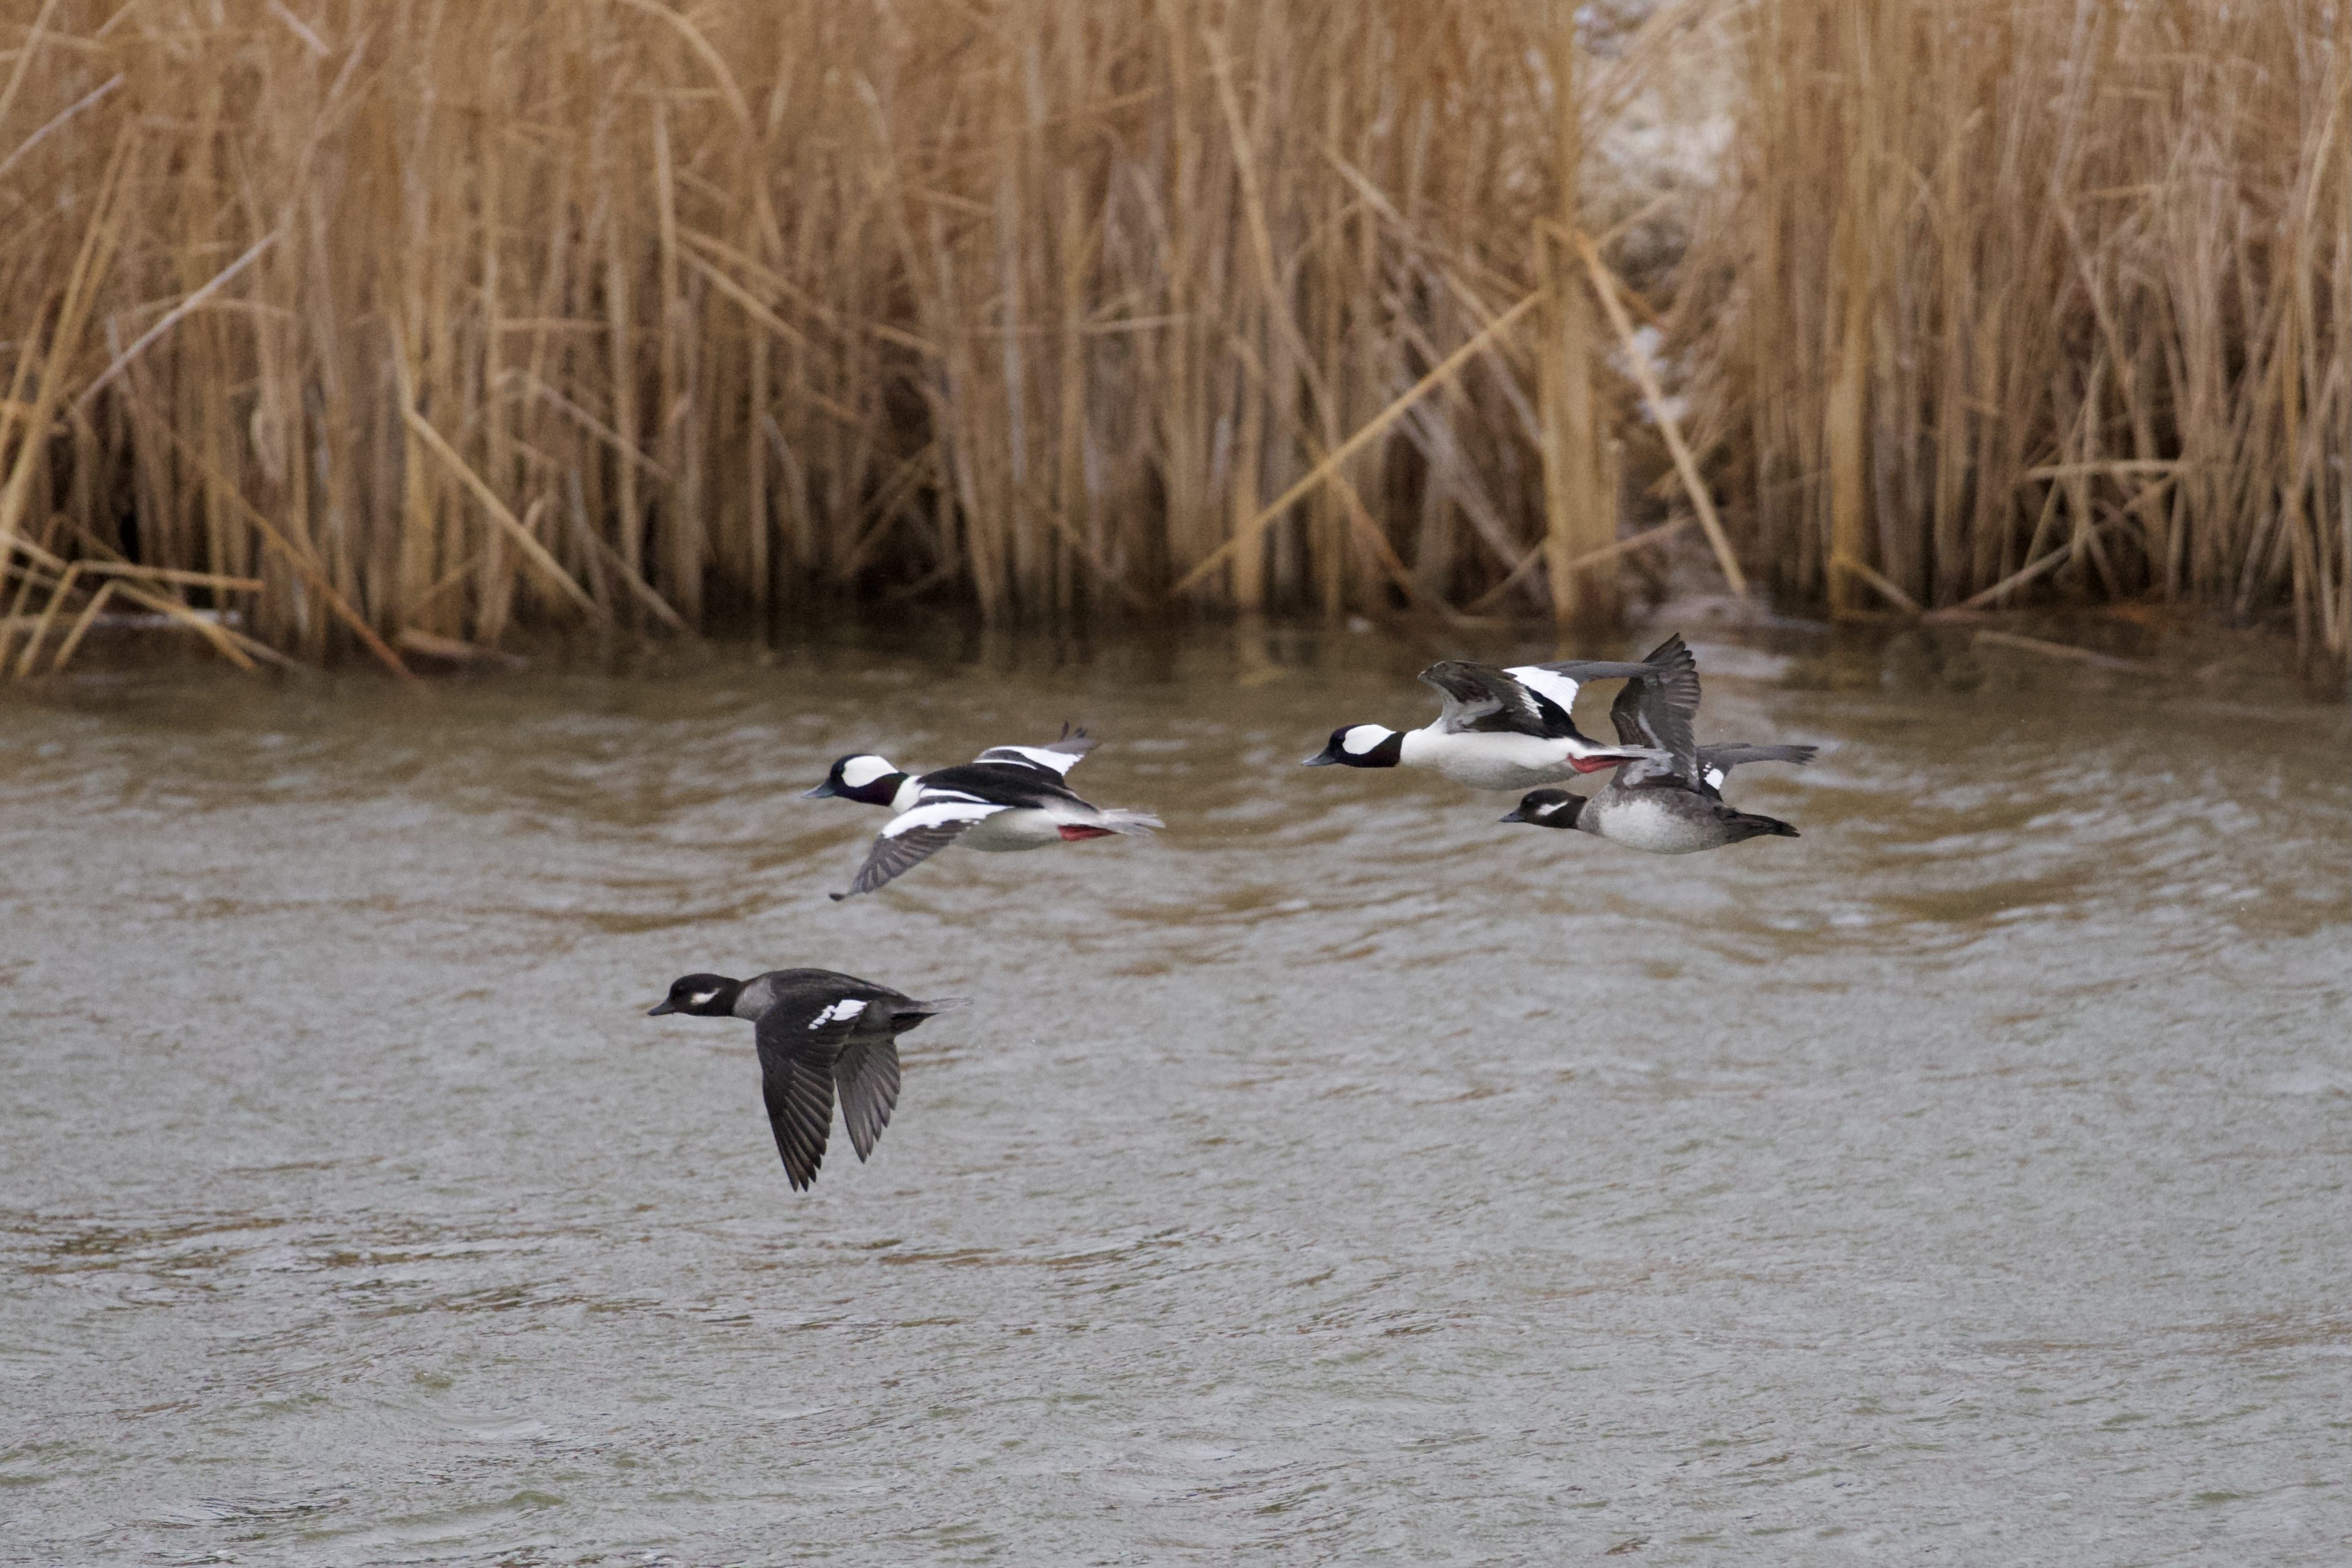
817	1031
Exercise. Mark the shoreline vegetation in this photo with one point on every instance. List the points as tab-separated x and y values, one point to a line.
376	328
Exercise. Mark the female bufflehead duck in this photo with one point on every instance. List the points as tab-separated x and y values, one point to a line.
989	804
1663	819
816	1030
1509	729
1657	807
877	781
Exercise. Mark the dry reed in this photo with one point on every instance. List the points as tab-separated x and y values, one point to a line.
371	324
2007	298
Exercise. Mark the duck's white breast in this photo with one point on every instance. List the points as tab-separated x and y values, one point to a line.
1488	761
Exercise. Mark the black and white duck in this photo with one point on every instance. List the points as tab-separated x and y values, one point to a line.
1510	727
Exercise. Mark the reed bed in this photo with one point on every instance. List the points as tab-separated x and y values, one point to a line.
397	327
2004	300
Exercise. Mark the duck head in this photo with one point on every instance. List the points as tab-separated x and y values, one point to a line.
1547	809
871	780
1360	746
707	996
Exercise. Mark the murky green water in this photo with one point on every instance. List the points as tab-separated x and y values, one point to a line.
1340	1178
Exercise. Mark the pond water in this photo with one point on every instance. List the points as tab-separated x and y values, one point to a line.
1339	1176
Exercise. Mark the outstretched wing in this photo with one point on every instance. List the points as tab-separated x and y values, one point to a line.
1715	762
915	835
866	1073
1056	758
1481	698
1724	759
797	1047
1656	706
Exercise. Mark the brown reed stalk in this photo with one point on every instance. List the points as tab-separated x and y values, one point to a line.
1579	514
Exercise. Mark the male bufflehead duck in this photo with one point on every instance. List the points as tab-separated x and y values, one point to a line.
990	804
1509	729
816	1030
1654	806
877	782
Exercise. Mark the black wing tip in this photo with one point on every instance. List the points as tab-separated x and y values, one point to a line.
801	1174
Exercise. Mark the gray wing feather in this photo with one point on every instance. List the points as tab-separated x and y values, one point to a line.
1656	705
1733	754
866	1073
796	1066
895	857
1480	697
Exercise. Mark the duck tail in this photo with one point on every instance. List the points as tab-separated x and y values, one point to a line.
1751	825
907	1014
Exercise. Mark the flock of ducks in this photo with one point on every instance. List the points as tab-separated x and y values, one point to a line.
822	1034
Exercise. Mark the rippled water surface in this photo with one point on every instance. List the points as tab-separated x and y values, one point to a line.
1342	1177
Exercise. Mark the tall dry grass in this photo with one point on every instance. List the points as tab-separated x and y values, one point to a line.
386	319
401	323
2008	298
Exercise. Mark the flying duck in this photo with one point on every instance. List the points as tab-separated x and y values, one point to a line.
1510	728
991	804
1655	806
877	782
816	1032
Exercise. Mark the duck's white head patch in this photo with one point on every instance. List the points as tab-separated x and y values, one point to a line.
1361	740
857	772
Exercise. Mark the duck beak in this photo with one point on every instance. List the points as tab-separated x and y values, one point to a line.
1514	815
821	792
1323	758
664	1006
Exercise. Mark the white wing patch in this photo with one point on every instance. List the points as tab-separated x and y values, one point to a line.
1715	777
848	1007
932	813
1547	684
1061	762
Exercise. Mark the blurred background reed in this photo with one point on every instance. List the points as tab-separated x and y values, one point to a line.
392	327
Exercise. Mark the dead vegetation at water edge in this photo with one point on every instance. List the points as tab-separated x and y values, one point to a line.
375	326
